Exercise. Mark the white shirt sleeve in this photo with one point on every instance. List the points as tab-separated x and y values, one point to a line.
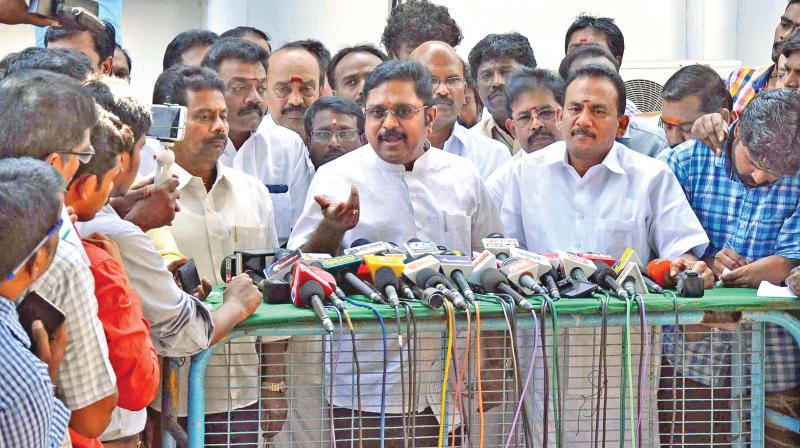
300	182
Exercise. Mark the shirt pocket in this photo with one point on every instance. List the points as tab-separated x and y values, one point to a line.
615	235
455	228
250	238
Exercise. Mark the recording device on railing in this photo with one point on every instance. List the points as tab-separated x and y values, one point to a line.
688	284
574	272
550	281
387	282
524	272
385	271
606	278
424	272
345	267
631	280
253	262
431	297
493	281
630	256
83	13
499	245
168	126
458	268
308	290
484	260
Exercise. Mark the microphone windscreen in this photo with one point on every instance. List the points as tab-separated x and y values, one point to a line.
426	275
490	278
308	289
495	235
359	242
384	277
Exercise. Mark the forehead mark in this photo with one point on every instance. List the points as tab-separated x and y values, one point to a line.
296	79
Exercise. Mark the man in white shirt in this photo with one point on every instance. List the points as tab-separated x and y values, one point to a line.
579	194
449	89
273	154
221	210
295	77
394	189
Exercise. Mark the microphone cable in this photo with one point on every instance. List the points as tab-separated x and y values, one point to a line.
459	378
358	377
478	368
643	361
402	376
443	421
675	370
411	322
555	388
385	361
527	379
333	370
509	309
602	373
627	380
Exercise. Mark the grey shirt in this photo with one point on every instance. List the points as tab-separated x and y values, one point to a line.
180	324
644	138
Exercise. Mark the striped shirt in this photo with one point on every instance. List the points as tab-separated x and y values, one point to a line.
745	83
30	415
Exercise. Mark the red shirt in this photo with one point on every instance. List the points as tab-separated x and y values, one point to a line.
130	348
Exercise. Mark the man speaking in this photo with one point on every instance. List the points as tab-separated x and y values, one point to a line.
395	188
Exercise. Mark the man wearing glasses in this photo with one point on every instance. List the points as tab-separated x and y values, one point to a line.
256	145
395	188
335	126
533	104
449	91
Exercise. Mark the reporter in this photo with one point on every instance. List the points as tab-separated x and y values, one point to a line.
30	206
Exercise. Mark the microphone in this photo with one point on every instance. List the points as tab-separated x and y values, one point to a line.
499	245
392	267
605	277
416	248
524	272
631	280
363	247
630	256
550	281
458	268
386	281
275	291
431	297
576	267
345	265
308	290
485	260
429	278
337	296
495	282
281	268
658	270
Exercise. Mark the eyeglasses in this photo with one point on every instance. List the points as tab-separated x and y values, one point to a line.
452	83
84	157
345	135
283	89
50	233
683	127
402	112
545	116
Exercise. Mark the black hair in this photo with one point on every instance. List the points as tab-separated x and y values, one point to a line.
233	48
415	22
30	204
127	59
791	43
700	81
605	25
242	31
317	49
584	52
110	138
130	111
171	86
42	113
395	70
362	48
770	130
335	104
185	41
494	46
529	79
64	61
600	72
4	63
103	40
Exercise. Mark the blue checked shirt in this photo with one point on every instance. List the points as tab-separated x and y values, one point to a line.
30	415
756	223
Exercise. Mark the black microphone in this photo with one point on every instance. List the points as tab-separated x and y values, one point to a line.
429	278
431	297
387	282
493	281
606	278
551	284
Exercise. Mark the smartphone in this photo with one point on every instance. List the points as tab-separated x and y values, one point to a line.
188	277
169	122
34	307
80	12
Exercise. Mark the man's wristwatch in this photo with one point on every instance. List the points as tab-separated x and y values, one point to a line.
274	387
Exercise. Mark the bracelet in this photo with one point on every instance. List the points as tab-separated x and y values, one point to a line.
274	387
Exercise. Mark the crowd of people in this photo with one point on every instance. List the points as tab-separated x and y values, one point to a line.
292	146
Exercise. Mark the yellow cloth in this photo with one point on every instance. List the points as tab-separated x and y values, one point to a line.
165	244
489	128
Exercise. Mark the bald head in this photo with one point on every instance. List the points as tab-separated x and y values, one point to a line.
449	86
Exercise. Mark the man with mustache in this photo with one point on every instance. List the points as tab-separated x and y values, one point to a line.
449	89
581	194
747	200
294	78
491	61
395	188
533	105
277	157
221	210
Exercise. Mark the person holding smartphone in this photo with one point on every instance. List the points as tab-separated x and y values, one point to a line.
30	210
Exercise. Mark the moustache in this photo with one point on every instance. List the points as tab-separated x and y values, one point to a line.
294	108
217	139
443	100
391	133
249	109
583	131
539	133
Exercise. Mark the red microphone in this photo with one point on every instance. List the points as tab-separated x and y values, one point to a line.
308	290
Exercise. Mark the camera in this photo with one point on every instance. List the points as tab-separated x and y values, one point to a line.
690	284
83	13
169	122
252	262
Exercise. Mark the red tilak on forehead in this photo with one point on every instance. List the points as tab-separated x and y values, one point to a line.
295	79
250	78
583	39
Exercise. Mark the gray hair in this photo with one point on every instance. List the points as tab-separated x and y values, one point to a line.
30	204
770	130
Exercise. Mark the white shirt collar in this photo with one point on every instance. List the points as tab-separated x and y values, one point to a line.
420	164
185	178
559	154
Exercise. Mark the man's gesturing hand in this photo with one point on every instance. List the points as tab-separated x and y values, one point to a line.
341	216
